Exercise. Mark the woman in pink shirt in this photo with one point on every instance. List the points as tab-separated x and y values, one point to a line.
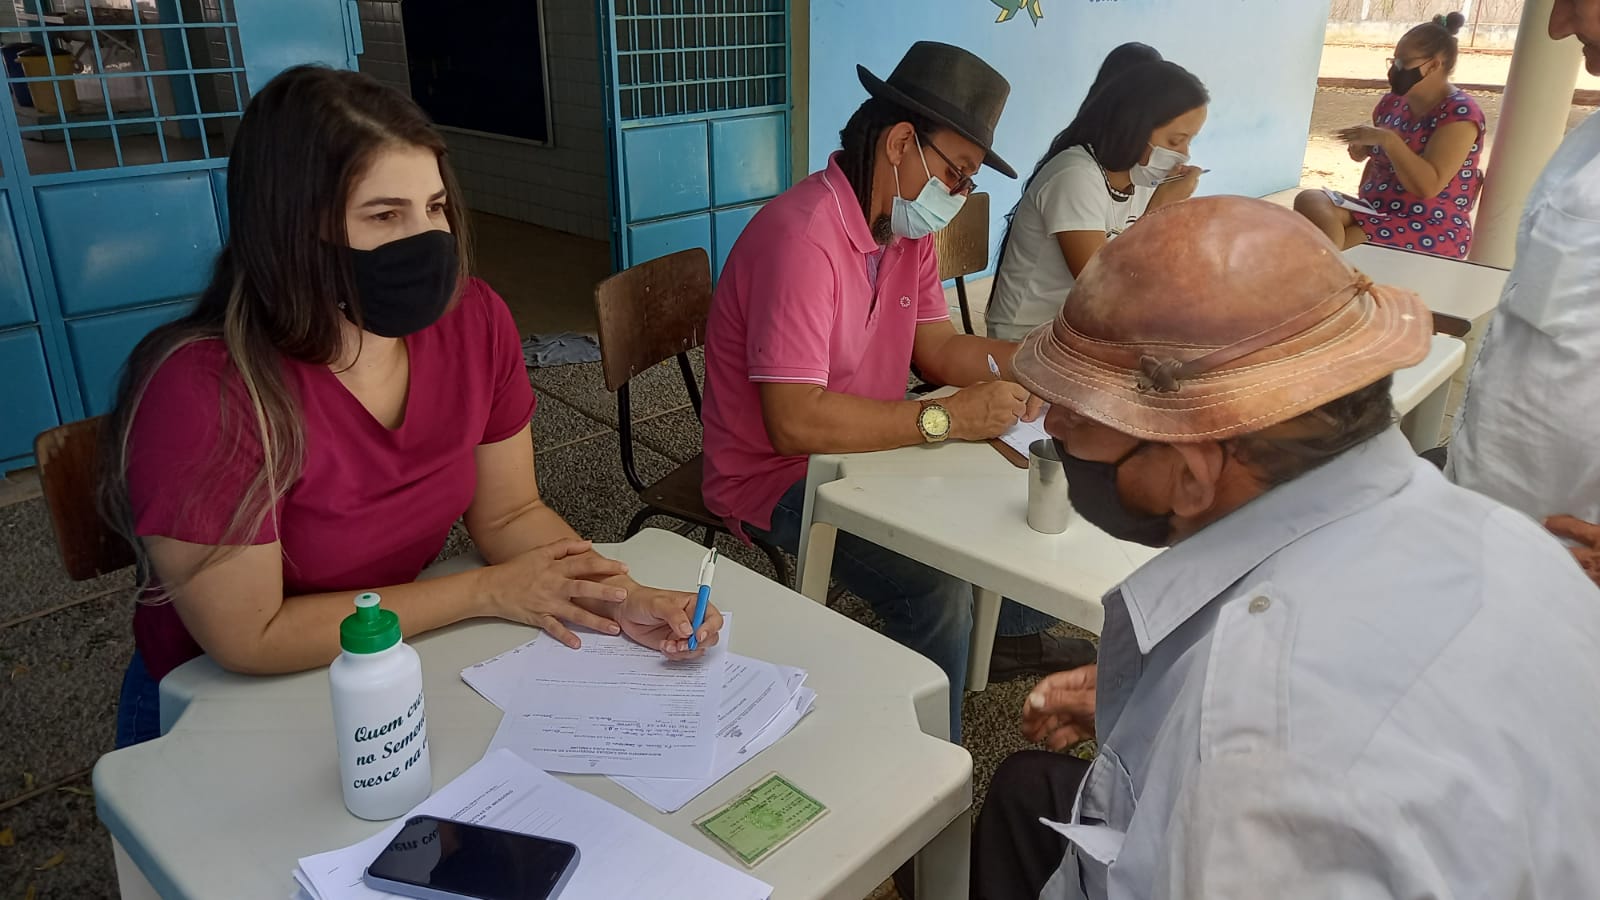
340	396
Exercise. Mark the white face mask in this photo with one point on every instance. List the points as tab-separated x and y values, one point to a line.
1163	161
933	209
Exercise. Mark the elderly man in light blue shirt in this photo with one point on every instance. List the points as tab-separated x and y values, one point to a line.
1347	678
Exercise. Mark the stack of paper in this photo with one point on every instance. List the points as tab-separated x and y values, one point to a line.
761	703
610	708
645	736
621	856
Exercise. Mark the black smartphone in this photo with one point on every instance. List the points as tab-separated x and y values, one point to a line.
437	859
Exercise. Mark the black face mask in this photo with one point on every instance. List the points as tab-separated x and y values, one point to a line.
1092	490
404	286
1401	81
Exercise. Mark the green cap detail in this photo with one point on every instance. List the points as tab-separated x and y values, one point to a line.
370	629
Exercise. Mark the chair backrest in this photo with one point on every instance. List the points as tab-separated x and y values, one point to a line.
963	245
649	313
69	472
652	312
1454	326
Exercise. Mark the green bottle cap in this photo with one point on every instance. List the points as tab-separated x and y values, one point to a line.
370	629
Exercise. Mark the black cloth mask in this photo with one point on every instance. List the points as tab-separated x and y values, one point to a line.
1092	490
406	285
1401	81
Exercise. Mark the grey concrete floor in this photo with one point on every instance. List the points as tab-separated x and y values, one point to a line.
63	645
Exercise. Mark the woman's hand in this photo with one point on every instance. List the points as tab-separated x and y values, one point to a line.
661	620
542	586
1179	185
1365	136
1059	711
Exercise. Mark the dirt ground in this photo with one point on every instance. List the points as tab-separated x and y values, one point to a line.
1473	66
1327	164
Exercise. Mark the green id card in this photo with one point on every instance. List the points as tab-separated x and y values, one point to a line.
761	819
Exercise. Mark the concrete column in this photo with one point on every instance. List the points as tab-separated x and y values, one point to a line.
1533	119
800	89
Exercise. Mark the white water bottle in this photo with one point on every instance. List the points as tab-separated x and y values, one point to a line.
378	715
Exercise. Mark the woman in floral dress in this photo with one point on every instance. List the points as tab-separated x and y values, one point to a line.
1422	149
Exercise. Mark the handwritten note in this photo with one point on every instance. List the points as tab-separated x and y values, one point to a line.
1022	435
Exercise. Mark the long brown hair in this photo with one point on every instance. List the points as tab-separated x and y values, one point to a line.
858	143
275	293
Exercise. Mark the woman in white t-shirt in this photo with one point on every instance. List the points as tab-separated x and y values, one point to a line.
1126	153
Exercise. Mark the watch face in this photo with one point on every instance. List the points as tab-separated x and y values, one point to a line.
935	421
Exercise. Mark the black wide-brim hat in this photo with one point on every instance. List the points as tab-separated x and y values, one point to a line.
952	87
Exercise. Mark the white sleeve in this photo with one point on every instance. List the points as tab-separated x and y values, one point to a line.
1259	825
1074	198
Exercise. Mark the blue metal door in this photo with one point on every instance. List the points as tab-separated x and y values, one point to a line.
114	139
697	110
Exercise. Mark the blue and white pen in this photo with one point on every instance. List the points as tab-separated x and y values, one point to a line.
994	367
708	571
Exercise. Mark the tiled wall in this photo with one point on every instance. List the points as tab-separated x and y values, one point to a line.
385	41
562	186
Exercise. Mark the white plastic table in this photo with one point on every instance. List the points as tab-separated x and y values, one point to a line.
962	509
1453	286
245	782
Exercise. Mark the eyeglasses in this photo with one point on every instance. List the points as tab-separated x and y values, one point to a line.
1396	62
964	183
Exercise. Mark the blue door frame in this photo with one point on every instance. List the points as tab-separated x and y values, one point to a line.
698	102
105	255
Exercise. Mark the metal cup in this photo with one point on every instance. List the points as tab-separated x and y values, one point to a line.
1049	510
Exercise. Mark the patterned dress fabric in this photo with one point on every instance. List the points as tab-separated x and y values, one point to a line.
1442	224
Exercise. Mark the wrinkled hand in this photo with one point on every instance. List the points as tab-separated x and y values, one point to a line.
1365	136
1035	409
1586	534
540	587
985	410
1180	184
661	620
1059	711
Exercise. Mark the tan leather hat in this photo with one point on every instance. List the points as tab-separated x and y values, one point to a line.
1217	317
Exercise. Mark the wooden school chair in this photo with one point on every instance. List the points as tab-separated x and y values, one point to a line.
963	248
648	314
69	472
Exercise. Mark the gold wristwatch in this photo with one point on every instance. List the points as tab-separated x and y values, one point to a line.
933	421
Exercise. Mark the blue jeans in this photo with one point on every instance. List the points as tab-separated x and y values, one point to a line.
1017	620
139	710
922	608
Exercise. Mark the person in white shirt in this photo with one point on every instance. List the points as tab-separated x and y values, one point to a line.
1125	153
1528	434
1343	677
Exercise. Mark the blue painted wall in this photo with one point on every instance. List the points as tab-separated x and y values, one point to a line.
1258	58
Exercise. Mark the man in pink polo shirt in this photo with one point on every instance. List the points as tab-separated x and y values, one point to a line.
828	298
